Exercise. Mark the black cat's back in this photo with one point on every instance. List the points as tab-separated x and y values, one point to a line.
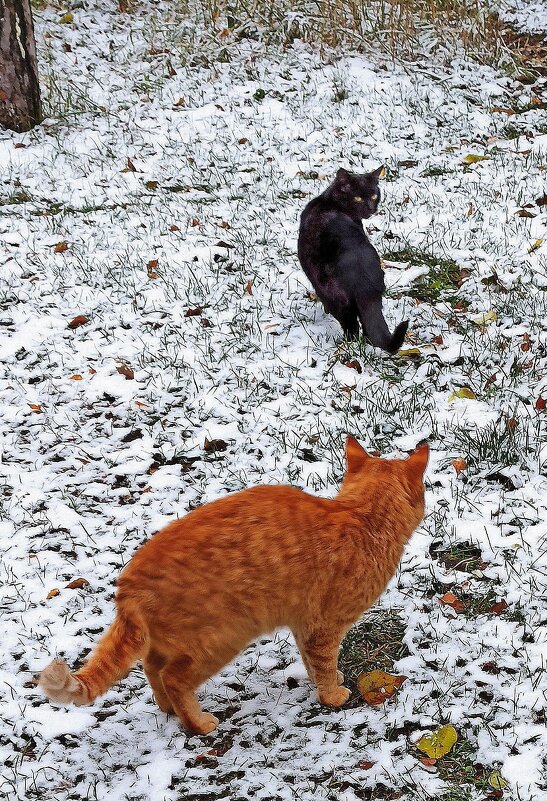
341	263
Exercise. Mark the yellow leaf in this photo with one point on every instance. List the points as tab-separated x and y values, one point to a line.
438	743
472	158
485	318
410	353
537	244
497	781
67	18
463	392
377	686
76	377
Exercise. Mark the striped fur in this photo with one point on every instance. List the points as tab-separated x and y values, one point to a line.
198	592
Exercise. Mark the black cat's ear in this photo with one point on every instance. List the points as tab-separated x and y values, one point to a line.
356	455
343	180
378	173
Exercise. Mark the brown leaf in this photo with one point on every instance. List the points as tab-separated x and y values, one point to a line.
377	687
77	584
249	287
438	340
498	110
540	404
498	608
428	761
152	185
180	102
242	141
354	365
194	222
3	97
60	247
194	312
222	244
35	407
174	228
459	465
126	371
214	445
52	593
130	166
541	201
76	377
365	764
524	213
449	599
17	145
81	319
525	345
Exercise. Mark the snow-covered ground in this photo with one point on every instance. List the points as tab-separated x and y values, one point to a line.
177	190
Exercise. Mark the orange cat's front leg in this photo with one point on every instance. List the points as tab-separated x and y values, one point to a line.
320	654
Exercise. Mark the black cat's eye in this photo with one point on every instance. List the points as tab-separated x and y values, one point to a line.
372	197
358	199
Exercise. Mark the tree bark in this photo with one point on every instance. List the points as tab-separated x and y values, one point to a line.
20	107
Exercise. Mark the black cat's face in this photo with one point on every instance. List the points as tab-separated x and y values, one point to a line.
359	194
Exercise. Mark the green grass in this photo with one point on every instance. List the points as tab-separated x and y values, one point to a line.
442	280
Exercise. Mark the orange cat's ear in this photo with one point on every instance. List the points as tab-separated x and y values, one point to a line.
356	455
417	461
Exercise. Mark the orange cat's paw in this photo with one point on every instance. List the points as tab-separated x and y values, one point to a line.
339	677
335	697
204	724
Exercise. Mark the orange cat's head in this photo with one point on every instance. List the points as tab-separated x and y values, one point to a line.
385	479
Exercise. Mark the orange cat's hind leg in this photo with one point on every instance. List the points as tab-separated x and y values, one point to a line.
181	678
320	651
152	664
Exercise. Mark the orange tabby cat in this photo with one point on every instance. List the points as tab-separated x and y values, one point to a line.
200	590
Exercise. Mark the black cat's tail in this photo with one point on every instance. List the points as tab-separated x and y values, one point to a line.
375	327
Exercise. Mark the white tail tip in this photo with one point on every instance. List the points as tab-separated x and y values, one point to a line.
59	684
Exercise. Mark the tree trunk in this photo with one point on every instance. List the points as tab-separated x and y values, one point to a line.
20	107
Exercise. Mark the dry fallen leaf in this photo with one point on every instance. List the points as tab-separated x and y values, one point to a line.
354	365
540	404
459	465
60	247
76	377
214	445
249	287
77	584
473	158
449	599
35	407
497	781
81	319
410	353
485	318
194	312
438	743
365	764
498	608
537	244
126	371
377	687
52	593
463	392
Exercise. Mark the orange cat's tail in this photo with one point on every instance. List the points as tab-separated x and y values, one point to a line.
125	641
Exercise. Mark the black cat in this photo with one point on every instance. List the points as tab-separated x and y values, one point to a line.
339	260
